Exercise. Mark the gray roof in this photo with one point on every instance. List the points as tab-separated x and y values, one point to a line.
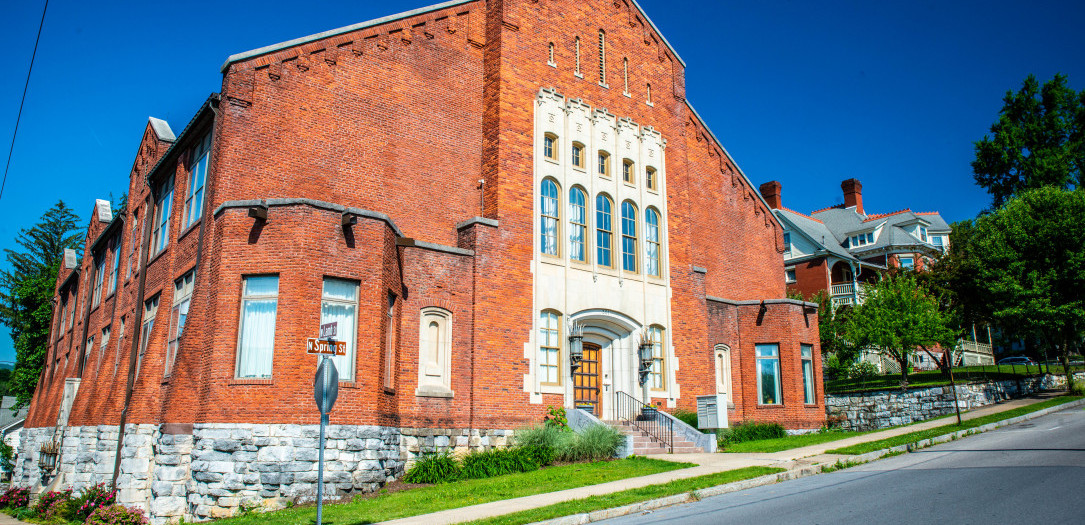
938	224
7	418
815	230
844	222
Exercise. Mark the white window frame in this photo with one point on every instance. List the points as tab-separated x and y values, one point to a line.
349	334
910	265
789	276
150	310
102	344
787	244
182	301
116	266
245	299
160	235
806	357
99	269
657	374
197	180
723	373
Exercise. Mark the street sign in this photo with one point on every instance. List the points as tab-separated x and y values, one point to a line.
326	385
316	346
328	329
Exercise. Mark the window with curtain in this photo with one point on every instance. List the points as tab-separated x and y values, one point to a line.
339	304
655	374
604	231
549	348
182	298
256	340
160	235
197	177
651	237
768	374
807	352
578	224
548	218
150	309
629	237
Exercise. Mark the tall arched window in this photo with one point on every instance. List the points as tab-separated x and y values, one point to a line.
578	224
723	371
629	237
625	76
604	230
548	218
648	88
651	237
550	56
655	374
549	348
602	57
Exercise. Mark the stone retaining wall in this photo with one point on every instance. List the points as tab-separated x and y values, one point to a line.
890	408
218	470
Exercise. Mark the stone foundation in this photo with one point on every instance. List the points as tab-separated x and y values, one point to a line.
890	408
221	469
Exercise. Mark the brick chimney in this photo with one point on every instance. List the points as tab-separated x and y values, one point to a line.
771	192
853	195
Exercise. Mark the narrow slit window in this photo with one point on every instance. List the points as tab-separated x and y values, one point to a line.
578	56
648	89
602	58
625	76
550	55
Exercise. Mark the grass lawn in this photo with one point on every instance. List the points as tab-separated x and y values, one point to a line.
435	498
789	442
912	437
626	497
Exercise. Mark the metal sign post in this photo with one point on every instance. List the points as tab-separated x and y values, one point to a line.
325	391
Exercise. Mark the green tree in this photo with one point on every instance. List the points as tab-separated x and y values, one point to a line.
1039	140
1033	253
899	317
26	293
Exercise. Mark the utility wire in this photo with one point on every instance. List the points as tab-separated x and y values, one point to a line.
23	100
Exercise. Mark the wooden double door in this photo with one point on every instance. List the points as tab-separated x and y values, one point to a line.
586	379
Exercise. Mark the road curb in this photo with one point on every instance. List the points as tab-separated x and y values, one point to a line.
696	495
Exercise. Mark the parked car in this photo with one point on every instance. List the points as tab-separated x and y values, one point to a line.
1017	360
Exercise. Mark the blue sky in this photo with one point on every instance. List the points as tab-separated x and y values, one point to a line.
807	93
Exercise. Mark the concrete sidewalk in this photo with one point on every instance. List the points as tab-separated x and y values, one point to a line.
706	464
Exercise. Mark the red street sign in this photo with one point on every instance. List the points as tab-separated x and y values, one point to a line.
328	329
318	346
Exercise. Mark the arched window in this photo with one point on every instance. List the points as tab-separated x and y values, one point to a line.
655	374
434	352
550	56
550	348
629	237
548	218
604	230
577	154
648	88
651	237
578	55
604	164
578	224
723	371
602	58
628	173
550	146
650	178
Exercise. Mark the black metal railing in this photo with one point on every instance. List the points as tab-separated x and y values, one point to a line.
645	418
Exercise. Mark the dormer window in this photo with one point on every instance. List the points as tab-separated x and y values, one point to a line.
787	243
923	233
862	239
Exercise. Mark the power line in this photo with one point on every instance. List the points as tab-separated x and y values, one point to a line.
23	100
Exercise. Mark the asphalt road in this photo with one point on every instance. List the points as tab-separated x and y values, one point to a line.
1031	472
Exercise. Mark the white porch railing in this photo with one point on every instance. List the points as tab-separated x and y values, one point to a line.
979	348
843	289
842	301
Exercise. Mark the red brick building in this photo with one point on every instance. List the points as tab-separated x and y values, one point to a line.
461	187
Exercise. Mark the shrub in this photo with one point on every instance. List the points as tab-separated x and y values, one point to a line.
750	431
92	498
1079	389
50	499
116	515
594	443
539	455
546	439
556	417
15	498
687	417
434	468
497	462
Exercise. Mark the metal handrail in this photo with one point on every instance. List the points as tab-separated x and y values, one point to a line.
645	418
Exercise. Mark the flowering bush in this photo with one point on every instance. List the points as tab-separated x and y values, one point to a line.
92	498
116	515
15	498
52	499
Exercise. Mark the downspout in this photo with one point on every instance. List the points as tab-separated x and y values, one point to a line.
137	325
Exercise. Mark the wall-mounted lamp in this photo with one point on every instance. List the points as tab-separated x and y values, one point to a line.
47	456
576	345
349	219
644	353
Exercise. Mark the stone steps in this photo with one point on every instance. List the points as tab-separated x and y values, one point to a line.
644	444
